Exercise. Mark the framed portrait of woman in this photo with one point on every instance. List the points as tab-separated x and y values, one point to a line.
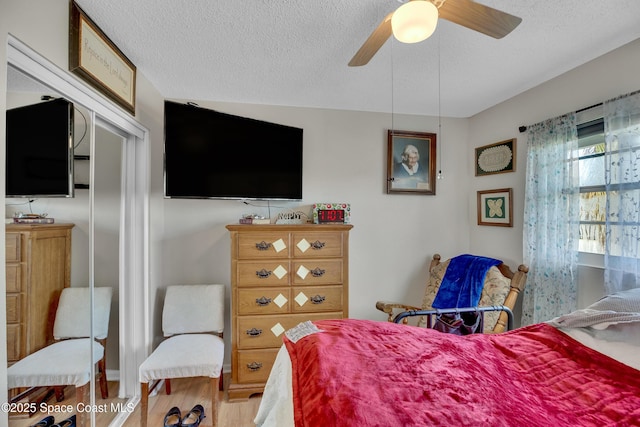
411	162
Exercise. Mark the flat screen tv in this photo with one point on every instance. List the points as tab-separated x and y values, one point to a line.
39	150
214	155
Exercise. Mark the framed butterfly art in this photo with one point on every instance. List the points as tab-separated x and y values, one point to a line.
495	207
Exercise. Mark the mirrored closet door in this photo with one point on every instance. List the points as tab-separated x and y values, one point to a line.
91	260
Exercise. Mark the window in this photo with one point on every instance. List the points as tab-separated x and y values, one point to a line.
591	145
623	223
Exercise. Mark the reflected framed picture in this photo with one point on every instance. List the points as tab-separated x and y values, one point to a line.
495	207
496	158
411	162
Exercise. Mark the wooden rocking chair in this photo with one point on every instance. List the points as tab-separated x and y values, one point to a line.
501	288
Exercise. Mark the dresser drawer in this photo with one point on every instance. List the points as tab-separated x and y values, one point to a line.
14	278
317	272
317	299
317	244
12	247
264	245
264	301
263	273
267	331
254	366
13	308
13	343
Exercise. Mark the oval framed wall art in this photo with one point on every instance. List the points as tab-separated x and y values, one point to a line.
496	158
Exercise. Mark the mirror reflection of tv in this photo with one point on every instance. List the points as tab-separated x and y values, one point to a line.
39	150
214	155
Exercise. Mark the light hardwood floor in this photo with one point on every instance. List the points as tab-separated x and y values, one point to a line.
185	393
67	407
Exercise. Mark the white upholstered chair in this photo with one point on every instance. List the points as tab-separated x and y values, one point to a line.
192	322
68	360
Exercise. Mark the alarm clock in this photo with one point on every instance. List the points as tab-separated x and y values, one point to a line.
331	213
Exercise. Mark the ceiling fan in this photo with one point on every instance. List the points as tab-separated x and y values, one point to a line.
416	20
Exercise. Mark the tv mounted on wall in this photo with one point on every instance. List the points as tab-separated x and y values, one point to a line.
214	155
39	150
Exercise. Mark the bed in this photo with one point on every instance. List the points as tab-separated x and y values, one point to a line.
579	369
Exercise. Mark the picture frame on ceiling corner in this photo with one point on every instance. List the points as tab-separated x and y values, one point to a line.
496	158
98	61
411	162
495	207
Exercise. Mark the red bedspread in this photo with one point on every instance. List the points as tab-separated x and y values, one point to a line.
363	373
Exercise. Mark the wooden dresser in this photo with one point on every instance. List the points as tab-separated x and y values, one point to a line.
38	267
281	275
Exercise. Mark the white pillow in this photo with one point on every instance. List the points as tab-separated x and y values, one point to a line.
619	307
624	301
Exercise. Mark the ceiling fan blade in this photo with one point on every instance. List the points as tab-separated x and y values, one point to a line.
373	43
479	17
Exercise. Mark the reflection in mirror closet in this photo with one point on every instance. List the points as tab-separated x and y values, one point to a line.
80	245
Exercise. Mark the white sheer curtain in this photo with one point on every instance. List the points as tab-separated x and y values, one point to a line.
622	182
551	219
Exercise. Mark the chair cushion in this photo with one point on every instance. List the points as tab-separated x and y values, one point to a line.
433	284
495	290
181	356
74	313
193	309
62	363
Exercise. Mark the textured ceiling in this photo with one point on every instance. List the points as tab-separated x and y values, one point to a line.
295	53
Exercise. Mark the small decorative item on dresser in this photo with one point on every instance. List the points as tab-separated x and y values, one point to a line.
33	220
22	218
254	219
291	218
331	213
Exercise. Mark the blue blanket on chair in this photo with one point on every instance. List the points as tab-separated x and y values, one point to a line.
463	281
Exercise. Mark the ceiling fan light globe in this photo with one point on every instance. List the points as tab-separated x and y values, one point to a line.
414	21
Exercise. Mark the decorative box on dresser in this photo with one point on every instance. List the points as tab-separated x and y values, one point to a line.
281	275
38	267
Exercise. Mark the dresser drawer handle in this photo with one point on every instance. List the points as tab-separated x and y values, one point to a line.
262	301
318	272
253	332
263	246
317	245
318	299
263	274
254	366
